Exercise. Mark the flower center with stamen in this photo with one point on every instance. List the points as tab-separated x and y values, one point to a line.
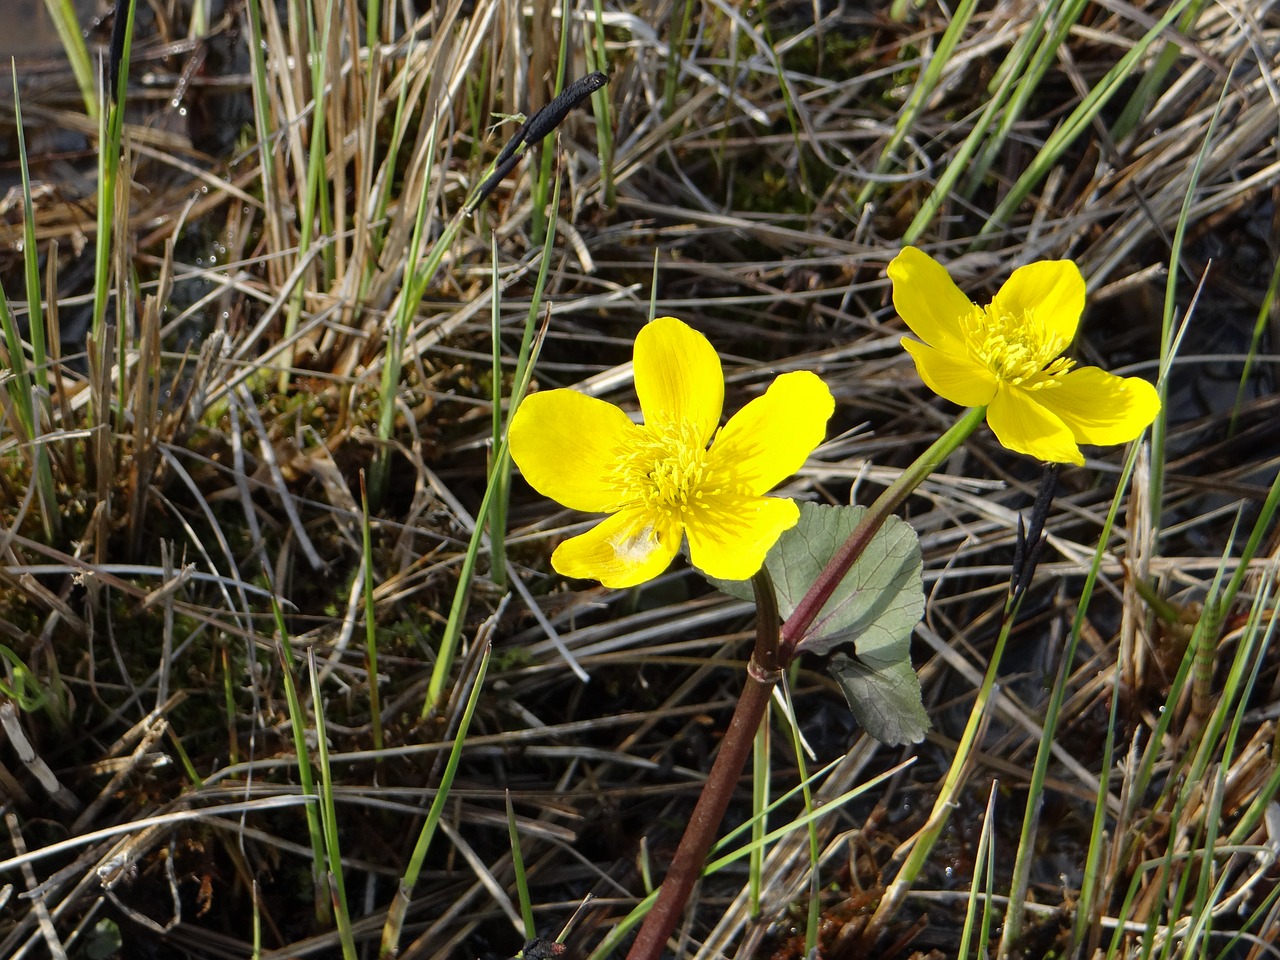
666	469
1018	349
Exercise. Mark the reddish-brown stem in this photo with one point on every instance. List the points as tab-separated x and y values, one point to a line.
763	674
686	865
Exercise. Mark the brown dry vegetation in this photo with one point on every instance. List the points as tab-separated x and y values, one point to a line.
760	171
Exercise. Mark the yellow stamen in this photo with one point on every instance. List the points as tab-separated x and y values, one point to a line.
1018	349
666	469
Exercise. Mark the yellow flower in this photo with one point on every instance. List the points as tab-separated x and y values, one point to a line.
674	474
1006	356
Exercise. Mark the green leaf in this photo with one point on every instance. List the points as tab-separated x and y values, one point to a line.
885	701
873	611
877	603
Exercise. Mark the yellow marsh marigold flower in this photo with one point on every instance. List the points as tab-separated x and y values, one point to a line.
674	474
1007	356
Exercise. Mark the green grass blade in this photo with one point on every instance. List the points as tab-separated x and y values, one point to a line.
517	868
370	619
336	882
400	905
306	779
1083	115
501	464
925	85
67	23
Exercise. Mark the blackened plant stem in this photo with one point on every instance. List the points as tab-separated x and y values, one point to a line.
536	129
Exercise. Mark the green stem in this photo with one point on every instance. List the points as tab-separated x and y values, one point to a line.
793	631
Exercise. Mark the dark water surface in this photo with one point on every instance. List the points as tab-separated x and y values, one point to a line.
27	31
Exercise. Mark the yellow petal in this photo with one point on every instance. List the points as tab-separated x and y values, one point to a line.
620	551
1024	426
678	376
1099	407
928	300
565	443
1052	291
730	543
954	377
768	439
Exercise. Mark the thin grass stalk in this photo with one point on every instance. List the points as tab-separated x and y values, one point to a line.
306	780
798	133
31	265
923	842
1205	638
1260	326
814	914
255	952
501	463
314	195
1262	918
761	765
681	21
329	817
386	179
453	628
1017	80
184	759
400	903
1172	907
229	703
597	59
126	284
524	359
21	385
983	858
30	386
1233	701
1126	907
67	24
268	159
406	306
502	471
501	476
373	33
914	107
1035	797
1153	79
958	164
1140	779
110	136
1090	900
541	187
520	876
1236	695
1160	428
370	618
1256	811
1076	123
